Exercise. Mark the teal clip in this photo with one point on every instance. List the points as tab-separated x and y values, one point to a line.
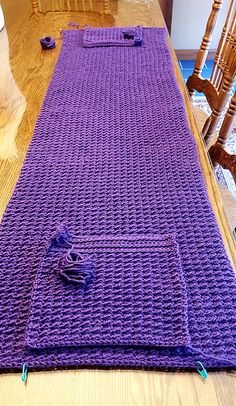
24	372
202	372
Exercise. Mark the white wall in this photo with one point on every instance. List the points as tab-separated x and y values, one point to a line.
189	22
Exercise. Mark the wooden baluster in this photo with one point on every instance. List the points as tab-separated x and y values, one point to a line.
221	43
106	7
35	6
228	122
90	5
231	50
202	54
217	153
84	9
211	123
226	53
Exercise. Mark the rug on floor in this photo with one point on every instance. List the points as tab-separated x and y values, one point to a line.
223	175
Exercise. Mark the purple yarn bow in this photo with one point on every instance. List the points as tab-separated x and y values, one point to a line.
131	34
47	43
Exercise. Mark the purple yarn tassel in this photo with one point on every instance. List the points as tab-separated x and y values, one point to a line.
61	237
73	267
76	268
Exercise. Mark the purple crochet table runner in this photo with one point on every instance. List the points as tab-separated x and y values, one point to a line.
110	254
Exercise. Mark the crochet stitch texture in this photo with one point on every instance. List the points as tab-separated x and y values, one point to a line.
110	254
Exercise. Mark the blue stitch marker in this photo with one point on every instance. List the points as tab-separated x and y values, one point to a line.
24	373
202	372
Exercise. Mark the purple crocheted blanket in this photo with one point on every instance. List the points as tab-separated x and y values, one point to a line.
110	254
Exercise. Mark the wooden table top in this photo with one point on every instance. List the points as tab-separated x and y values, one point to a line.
24	76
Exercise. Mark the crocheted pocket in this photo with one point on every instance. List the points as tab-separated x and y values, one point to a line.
124	290
100	37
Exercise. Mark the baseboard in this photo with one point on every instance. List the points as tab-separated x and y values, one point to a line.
191	54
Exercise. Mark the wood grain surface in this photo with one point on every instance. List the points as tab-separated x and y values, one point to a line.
24	76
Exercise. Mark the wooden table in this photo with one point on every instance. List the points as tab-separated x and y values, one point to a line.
24	76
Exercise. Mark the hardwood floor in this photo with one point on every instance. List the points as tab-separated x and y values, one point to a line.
24	76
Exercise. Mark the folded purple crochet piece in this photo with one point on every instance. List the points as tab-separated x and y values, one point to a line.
138	296
110	254
96	37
